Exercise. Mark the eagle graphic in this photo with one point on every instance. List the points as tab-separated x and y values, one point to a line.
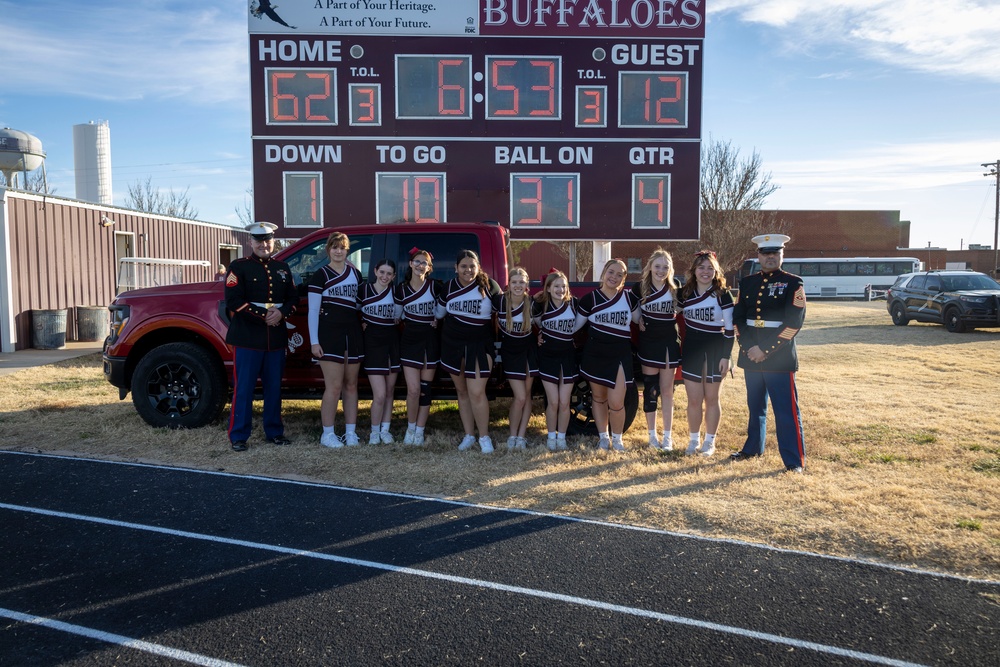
258	7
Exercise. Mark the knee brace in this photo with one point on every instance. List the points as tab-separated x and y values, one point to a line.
650	392
425	393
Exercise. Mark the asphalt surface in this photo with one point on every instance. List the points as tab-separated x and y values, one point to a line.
108	563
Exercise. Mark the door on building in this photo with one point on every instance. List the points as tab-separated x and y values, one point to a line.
124	247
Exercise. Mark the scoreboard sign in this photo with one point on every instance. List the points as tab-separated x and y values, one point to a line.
561	119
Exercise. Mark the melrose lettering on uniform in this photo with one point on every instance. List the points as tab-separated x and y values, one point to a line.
599	13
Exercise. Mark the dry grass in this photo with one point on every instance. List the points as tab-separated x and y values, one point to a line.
902	432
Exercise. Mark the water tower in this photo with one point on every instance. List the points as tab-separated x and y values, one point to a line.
92	161
19	152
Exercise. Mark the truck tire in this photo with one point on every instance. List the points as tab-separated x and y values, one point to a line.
899	317
179	385
581	416
953	321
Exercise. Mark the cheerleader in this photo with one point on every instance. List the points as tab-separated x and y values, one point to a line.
468	344
419	347
335	332
379	315
555	314
519	350
607	356
707	307
659	348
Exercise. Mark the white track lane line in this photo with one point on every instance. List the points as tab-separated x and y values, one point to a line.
570	599
120	640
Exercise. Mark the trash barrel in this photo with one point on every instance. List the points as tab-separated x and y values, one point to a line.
48	329
91	323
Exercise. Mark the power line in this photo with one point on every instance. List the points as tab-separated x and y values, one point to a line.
994	168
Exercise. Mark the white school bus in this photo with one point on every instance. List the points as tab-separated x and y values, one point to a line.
842	277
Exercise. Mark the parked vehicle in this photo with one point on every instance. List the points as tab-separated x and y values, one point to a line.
841	277
167	344
960	300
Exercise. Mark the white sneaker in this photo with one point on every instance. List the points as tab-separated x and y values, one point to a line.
561	444
467	442
522	442
512	442
418	439
373	439
667	446
654	442
603	444
331	440
552	444
707	449
408	438
386	438
486	444
617	446
351	439
692	448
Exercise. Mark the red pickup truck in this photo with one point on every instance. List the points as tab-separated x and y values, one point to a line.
167	344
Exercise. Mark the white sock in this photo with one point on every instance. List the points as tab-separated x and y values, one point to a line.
385	426
411	426
349	428
695	437
666	436
652	434
552	435
327	430
418	430
616	437
709	438
560	436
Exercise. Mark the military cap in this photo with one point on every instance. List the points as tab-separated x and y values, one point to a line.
770	242
262	231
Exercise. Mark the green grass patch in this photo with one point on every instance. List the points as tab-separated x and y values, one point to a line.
884	435
987	466
970	524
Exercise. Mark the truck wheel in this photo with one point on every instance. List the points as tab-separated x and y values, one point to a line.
899	317
953	322
581	416
179	385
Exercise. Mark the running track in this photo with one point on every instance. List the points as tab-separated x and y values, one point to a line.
106	563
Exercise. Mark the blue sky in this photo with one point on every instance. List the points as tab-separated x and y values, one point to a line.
851	104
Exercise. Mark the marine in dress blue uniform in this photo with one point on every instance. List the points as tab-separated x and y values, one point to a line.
768	316
260	295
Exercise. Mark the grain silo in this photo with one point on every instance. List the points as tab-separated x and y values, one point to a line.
92	161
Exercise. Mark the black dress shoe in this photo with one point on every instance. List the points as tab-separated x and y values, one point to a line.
280	440
742	456
240	446
797	469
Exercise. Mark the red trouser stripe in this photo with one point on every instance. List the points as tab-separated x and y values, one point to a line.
796	418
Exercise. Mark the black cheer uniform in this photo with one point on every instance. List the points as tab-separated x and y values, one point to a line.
420	344
609	341
557	352
708	335
468	339
379	313
333	314
659	345
518	343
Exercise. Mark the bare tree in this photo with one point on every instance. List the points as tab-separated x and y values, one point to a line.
244	212
142	196
733	190
584	253
36	182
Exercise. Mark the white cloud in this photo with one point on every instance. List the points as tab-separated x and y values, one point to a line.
126	49
960	37
896	167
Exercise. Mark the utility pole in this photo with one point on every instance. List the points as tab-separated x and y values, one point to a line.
994	168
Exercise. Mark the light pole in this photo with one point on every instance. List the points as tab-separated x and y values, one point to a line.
994	168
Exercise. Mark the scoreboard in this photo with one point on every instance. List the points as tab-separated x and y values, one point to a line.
561	119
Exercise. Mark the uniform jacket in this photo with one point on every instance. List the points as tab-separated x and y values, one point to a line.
769	314
251	284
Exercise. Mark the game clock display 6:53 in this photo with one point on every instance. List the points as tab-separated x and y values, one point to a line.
465	114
